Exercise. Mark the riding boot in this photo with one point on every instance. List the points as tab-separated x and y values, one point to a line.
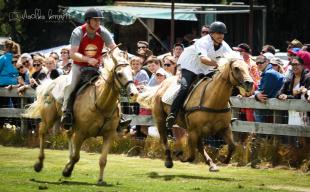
123	123
67	117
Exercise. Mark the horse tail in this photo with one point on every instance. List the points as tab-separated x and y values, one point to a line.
42	92
146	98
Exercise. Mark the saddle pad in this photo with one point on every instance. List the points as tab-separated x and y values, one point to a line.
60	85
171	93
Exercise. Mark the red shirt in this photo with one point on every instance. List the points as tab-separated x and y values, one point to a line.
90	47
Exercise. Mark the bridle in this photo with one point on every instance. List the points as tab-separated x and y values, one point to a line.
238	82
117	78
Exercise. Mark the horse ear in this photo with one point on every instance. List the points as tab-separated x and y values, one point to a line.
222	62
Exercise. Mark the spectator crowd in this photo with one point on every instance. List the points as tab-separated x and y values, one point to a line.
273	77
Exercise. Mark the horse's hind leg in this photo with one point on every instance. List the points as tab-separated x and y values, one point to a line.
161	125
103	158
206	157
42	131
228	138
76	143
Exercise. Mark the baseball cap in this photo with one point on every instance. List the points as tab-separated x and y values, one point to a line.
269	55
276	61
243	47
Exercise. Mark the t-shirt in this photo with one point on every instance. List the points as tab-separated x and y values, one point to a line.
190	57
77	35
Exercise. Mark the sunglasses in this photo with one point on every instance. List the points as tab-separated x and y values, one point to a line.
64	52
25	62
36	65
142	47
262	52
167	64
295	64
205	32
259	63
274	64
159	75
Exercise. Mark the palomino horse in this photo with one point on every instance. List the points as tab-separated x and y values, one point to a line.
96	111
206	111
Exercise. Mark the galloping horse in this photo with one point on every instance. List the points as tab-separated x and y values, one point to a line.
206	112
96	110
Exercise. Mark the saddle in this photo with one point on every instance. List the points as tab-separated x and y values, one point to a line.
88	76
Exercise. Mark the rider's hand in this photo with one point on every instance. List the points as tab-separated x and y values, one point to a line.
214	63
93	62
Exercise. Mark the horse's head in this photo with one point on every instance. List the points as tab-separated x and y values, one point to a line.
123	75
237	73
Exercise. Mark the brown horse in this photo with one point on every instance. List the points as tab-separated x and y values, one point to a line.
96	110
206	112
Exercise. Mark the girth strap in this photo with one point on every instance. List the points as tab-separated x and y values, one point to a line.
207	109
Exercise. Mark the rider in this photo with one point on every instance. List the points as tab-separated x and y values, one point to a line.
200	58
87	42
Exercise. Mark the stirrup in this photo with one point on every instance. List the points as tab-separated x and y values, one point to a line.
170	121
67	120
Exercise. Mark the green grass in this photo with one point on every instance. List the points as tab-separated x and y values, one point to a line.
136	174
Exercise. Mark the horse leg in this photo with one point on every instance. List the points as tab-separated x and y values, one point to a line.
192	145
161	125
207	158
228	138
42	131
76	143
103	158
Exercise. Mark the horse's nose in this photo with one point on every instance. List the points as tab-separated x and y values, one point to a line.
248	85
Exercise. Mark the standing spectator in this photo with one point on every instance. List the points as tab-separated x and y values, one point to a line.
40	71
270	83
178	48
143	50
305	58
204	30
65	60
8	73
52	72
55	56
268	49
277	65
294	44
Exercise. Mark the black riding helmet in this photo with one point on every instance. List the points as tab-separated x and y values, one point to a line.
92	13
218	26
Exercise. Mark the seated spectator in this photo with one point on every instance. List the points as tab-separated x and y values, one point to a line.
140	75
161	75
170	65
153	64
55	56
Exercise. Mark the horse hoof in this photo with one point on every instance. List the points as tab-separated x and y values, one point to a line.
168	164
214	169
101	183
66	173
38	166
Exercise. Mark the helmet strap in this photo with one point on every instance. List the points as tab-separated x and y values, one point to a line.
217	45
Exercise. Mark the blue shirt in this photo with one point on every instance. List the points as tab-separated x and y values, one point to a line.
8	73
271	82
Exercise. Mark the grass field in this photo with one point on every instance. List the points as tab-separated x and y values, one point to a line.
136	174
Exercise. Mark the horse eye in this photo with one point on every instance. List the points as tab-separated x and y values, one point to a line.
236	68
119	75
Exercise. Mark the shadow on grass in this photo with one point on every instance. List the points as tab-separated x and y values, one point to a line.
154	175
61	182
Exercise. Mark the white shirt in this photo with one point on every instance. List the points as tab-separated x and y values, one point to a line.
190	57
